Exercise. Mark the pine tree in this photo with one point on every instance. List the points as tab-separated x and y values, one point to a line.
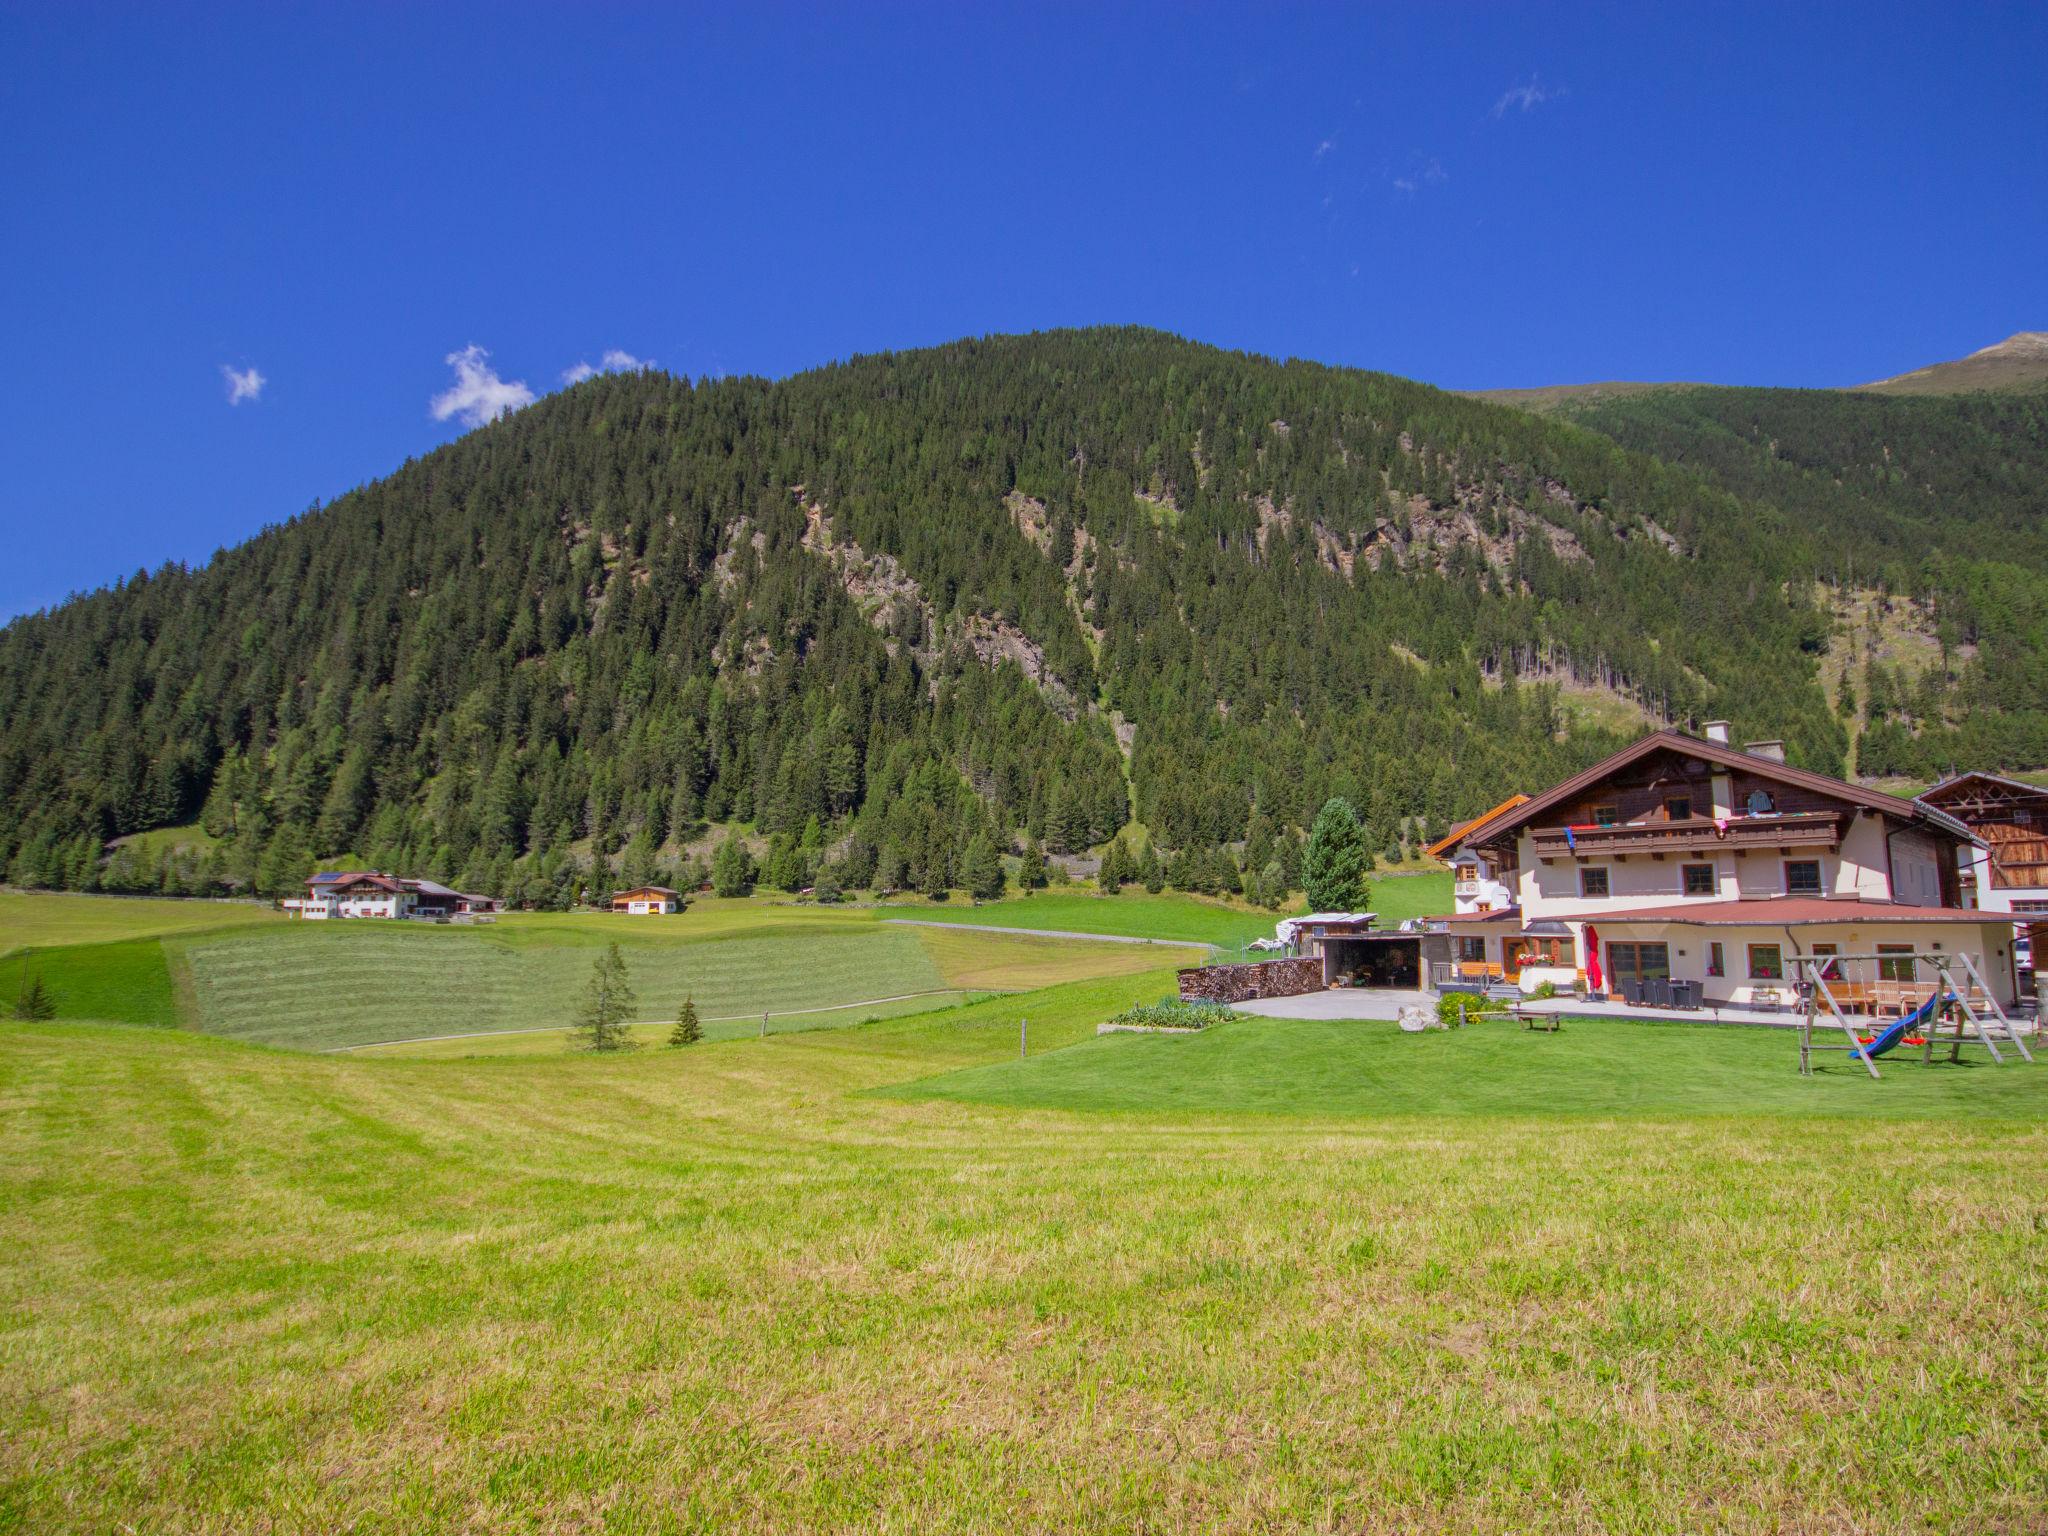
1150	874
1114	872
687	1031
981	870
607	1003
1334	865
732	868
1031	873
35	1002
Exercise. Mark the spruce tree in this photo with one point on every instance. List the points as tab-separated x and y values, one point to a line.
732	868
981	869
1334	865
35	1001
687	1031
1150	874
607	1004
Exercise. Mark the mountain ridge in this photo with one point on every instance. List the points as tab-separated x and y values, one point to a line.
1043	589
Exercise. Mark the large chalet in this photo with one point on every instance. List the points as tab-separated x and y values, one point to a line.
1684	862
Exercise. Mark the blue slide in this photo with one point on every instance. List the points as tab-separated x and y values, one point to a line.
1896	1031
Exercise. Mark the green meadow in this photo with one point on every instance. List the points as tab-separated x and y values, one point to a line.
759	1285
240	971
887	1276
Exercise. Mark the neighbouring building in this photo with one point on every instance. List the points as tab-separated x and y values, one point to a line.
1682	859
371	893
2009	871
647	901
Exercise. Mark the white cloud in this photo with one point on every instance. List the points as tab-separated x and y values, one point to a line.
1424	171
1325	147
243	383
478	395
613	361
1526	97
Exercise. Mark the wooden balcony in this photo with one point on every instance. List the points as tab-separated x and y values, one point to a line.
1694	834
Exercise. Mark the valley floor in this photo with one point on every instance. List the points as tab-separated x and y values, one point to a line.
876	1279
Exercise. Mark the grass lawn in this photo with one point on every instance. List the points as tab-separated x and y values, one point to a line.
1589	1067
40	919
732	1289
127	982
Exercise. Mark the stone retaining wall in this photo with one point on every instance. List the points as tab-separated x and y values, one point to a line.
1241	983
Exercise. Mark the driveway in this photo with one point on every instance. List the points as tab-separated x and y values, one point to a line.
1341	1003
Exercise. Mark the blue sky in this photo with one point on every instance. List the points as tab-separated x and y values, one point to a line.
343	199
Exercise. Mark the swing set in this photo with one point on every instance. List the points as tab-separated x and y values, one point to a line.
1960	1011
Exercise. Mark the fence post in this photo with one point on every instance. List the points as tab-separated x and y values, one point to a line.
1023	1038
764	1023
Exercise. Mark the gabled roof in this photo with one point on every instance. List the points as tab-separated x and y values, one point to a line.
644	890
1452	838
1721	756
1979	776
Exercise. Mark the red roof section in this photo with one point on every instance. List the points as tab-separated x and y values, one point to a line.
1797	911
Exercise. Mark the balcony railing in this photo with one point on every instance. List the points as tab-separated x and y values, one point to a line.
1794	829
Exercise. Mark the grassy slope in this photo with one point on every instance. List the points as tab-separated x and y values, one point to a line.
40	919
1590	1067
720	1289
127	981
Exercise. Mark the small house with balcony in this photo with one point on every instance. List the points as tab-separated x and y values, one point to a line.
647	901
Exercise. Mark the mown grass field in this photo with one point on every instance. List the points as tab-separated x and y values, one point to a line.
347	984
1600	1067
41	919
736	1288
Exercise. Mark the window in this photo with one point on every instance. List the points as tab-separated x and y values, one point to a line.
1760	803
1802	877
1471	949
1637	962
1679	807
1606	816
2032	908
1766	963
1895	963
1699	880
1593	882
1714	965
1828	969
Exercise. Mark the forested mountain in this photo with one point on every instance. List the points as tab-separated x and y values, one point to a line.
1937	503
1029	588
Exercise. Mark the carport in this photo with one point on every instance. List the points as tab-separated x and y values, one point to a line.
1373	960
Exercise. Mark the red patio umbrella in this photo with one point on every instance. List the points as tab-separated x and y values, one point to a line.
1593	977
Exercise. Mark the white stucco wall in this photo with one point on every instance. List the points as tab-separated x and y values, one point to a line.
1987	944
1858	870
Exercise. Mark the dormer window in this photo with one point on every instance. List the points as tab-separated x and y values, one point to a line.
1606	816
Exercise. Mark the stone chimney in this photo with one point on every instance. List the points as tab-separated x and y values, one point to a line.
1773	749
1716	730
